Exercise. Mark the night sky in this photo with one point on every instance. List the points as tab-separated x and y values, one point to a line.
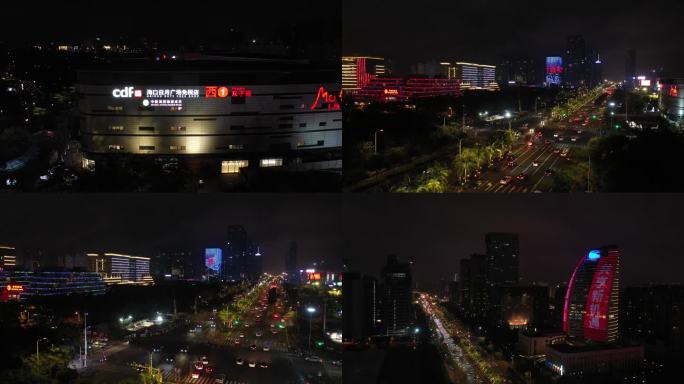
408	31
555	232
143	224
80	19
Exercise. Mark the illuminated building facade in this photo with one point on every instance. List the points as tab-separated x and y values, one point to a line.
229	113
358	71
671	99
8	257
471	76
117	268
591	303
213	261
22	284
391	89
554	70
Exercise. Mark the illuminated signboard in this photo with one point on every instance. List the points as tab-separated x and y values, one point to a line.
212	259
674	91
15	288
223	92
314	276
598	300
554	69
392	92
325	100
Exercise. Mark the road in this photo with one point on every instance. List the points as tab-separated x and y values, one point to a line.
462	346
255	350
535	158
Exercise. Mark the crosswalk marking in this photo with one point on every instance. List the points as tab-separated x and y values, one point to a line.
172	378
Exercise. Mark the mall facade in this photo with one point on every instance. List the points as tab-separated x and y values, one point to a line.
230	113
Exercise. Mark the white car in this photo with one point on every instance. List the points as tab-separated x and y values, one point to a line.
266	348
313	359
240	362
252	364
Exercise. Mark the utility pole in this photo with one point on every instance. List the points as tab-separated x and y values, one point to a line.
589	173
85	339
463	117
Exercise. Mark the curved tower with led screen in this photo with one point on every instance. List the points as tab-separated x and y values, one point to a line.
591	302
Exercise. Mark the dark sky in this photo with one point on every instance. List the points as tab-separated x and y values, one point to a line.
142	224
409	31
555	232
79	19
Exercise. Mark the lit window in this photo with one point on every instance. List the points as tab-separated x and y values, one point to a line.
233	166
177	147
116	147
270	163
175	128
116	127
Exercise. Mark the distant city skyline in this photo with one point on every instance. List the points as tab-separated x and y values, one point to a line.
81	19
489	31
146	224
555	231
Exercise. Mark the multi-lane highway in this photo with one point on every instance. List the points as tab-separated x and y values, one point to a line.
255	349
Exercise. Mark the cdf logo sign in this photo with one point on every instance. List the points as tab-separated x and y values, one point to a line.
127	92
325	100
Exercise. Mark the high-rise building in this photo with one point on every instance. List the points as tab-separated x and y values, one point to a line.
8	257
630	69
596	70
291	263
591	305
117	268
577	68
25	284
474	288
502	257
243	260
518	71
554	70
396	297
357	71
176	264
213	261
359	301
654	315
471	76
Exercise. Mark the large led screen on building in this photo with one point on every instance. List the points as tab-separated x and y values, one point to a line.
212	259
554	70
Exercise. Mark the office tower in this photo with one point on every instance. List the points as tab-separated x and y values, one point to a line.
359	300
630	69
520	70
474	289
8	257
357	71
213	261
243	260
577	68
471	76
596	70
591	305
176	264
291	263
502	257
117	268
554	70
396	305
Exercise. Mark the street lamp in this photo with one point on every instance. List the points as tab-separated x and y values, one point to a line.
376	139
311	311
508	116
38	350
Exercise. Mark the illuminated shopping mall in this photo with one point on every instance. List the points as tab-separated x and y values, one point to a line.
227	113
